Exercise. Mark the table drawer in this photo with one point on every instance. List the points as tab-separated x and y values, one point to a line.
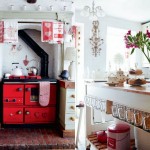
70	95
70	118
70	107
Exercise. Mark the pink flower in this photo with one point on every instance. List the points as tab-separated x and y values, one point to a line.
129	32
148	34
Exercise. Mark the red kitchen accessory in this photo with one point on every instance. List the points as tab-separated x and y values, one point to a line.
102	136
26	61
118	137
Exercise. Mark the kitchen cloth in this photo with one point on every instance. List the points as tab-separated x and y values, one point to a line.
10	31
44	93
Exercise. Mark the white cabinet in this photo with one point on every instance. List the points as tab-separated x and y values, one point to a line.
67	106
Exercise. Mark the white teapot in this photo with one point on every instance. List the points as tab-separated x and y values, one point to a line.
17	71
120	76
112	79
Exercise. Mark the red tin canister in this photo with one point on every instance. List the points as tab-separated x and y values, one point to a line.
118	137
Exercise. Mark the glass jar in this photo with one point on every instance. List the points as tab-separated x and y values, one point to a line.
115	110
138	118
146	122
121	112
130	115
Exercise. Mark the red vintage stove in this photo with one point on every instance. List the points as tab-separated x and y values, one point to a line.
21	102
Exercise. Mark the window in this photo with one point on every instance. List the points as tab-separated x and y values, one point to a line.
117	55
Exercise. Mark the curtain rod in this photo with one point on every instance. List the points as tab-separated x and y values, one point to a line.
29	22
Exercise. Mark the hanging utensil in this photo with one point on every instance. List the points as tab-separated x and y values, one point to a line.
26	61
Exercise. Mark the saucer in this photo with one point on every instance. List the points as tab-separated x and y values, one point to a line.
111	84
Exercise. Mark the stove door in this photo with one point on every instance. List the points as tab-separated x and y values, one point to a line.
40	115
12	115
13	90
32	94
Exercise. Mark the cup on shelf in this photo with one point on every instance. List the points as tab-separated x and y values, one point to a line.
130	115
115	110
138	118
146	122
122	112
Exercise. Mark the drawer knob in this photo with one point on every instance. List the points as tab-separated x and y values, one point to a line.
73	96
72	118
28	89
19	89
27	113
72	107
19	112
11	114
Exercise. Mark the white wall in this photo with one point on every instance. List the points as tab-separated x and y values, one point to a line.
9	57
99	63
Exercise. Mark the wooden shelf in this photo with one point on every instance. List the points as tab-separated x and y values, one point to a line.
103	146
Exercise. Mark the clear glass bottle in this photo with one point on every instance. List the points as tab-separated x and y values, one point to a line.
138	118
122	112
130	115
146	122
115	110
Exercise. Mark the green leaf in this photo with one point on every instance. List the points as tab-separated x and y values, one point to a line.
132	51
130	39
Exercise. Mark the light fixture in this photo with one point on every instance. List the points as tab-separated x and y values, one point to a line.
70	55
95	39
93	13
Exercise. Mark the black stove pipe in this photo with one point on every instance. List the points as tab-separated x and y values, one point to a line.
38	50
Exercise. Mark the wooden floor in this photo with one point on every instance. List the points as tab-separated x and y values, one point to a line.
33	139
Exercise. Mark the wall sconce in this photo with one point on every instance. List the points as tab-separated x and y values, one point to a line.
24	7
51	8
11	7
64	8
39	7
93	13
95	40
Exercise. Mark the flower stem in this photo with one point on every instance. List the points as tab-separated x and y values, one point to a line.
146	57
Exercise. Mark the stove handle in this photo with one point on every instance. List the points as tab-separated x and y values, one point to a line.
27	113
28	89
19	89
19	112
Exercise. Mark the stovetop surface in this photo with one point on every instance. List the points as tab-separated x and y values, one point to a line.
29	80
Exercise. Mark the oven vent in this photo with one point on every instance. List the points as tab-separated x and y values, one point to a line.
38	50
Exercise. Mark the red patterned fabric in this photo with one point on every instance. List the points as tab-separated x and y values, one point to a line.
74	32
52	32
10	31
58	32
47	31
44	93
1	31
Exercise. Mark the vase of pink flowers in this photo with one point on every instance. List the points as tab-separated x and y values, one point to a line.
138	41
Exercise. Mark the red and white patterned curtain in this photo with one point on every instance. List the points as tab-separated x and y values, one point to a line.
1	31
52	32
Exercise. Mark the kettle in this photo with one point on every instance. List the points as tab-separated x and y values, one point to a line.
17	71
102	136
32	71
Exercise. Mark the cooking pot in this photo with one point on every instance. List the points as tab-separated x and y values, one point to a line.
102	136
32	71
17	71
64	75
